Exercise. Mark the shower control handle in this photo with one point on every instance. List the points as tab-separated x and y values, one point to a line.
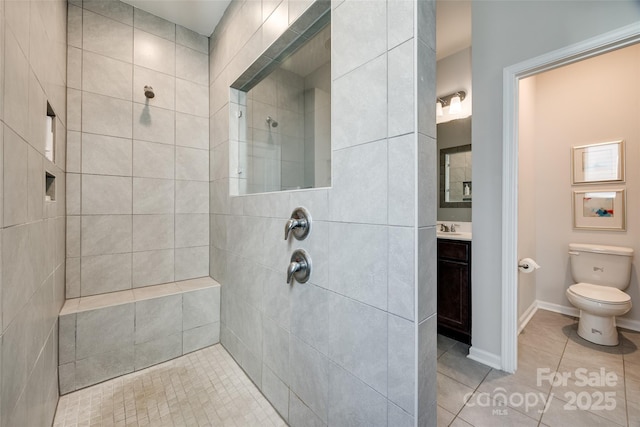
299	267
299	224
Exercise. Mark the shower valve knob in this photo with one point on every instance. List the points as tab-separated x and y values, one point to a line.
299	267
299	224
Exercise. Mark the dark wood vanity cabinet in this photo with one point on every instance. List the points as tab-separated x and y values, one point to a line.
454	289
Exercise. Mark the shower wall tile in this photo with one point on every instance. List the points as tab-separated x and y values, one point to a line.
16	86
74	151
106	194
152	232
105	273
191	39
74	67
362	118
192	164
74	26
348	258
73	236
119	11
192	262
106	234
106	36
401	271
192	197
152	267
352	402
191	230
400	25
15	185
192	131
300	415
309	309
192	65
275	350
191	98
401	359
309	371
154	25
358	43
153	124
360	184
357	340
105	155
158	317
106	76
200	337
105	115
276	391
401	97
154	52
152	160
402	187
154	196
157	351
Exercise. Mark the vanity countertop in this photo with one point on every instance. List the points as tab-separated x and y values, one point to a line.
462	235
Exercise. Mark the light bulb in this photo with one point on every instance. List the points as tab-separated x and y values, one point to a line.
439	111
456	106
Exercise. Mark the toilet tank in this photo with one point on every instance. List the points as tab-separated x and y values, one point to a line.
601	265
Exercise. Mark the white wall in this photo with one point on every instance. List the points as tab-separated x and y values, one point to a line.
505	33
571	108
527	164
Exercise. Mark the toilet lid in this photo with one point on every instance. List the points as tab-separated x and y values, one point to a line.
600	293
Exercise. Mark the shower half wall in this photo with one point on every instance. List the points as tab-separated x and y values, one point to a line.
342	347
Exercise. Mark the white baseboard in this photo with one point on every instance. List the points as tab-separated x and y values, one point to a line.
484	357
557	308
527	315
631	324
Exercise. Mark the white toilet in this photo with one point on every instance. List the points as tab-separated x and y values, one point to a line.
601	273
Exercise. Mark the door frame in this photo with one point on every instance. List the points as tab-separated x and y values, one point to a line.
591	47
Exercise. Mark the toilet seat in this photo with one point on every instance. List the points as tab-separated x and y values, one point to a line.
602	294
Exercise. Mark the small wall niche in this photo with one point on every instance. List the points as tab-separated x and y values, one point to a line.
49	187
50	134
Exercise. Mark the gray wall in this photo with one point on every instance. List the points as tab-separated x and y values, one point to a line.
138	168
32	72
505	33
340	349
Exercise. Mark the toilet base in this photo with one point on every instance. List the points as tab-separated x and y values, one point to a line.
598	329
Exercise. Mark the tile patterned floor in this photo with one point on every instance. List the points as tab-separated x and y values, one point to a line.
203	388
471	394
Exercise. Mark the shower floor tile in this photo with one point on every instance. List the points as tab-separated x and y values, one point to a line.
203	388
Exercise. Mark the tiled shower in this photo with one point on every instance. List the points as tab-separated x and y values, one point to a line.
146	204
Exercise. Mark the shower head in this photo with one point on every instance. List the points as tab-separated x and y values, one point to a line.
272	122
148	92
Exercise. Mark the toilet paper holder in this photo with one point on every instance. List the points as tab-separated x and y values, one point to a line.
527	265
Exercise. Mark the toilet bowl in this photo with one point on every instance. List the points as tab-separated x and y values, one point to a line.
602	273
599	306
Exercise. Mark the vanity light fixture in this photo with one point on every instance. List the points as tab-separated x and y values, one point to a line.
453	101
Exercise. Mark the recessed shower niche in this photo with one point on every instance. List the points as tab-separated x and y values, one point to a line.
280	123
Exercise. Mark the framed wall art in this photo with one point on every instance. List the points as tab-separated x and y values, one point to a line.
594	163
599	209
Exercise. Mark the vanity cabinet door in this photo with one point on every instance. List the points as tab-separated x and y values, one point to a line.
454	290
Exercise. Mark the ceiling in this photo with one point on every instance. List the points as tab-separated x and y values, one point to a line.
453	26
201	16
453	19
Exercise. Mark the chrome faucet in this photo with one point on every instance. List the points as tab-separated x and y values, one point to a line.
444	228
293	223
452	228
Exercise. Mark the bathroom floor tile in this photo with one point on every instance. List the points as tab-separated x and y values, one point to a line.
203	388
549	343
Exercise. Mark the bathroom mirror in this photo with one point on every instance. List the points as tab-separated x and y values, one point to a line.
284	110
454	169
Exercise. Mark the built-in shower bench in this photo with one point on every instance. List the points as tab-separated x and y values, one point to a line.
108	335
